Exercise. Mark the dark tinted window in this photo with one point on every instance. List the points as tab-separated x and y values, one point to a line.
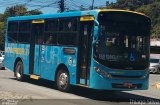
38	33
154	60
24	26
12	37
67	39
122	42
13	26
51	25
67	34
69	24
24	32
50	34
155	49
23	37
12	31
50	38
19	31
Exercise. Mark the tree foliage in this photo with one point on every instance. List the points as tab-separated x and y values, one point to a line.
33	12
129	4
149	7
19	10
153	11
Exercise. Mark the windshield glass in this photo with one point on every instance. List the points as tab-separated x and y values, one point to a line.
155	49
123	41
154	60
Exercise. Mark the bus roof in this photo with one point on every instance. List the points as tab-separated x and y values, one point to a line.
68	14
118	10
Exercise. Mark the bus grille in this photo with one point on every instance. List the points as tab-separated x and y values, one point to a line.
126	77
121	86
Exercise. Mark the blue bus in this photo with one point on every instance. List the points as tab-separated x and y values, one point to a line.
105	49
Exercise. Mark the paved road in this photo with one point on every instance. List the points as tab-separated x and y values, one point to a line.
152	92
13	91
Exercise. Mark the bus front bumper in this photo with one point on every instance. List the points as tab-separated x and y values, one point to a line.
104	81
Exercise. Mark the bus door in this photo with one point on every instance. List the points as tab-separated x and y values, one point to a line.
35	47
84	54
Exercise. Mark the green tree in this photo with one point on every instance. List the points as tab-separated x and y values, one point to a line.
19	10
129	4
148	7
153	11
34	12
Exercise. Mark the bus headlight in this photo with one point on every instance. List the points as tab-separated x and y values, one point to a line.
144	76
101	72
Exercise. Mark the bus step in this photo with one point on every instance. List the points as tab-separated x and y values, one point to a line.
34	77
81	85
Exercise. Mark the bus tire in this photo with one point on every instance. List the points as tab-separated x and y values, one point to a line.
62	80
19	71
155	70
158	70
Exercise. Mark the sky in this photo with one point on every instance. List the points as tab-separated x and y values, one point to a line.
50	6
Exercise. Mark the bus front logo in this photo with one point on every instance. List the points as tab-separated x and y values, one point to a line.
131	58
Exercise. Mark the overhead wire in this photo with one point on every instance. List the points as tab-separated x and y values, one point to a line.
40	4
48	5
75	5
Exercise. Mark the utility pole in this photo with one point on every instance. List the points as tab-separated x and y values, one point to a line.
61	5
92	4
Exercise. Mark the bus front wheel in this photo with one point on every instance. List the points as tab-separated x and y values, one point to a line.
158	70
19	71
62	80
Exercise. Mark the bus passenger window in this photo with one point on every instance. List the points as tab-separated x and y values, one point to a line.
50	39
38	41
12	31
68	24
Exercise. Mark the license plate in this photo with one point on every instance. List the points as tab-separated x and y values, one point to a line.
128	85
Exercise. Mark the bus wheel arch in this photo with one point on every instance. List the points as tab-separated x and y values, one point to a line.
18	69
62	78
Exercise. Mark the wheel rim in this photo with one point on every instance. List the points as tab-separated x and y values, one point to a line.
63	81
18	71
158	70
155	70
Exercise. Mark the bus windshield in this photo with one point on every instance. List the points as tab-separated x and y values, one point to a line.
154	60
123	41
155	49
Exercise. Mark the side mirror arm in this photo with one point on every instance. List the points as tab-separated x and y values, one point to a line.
96	31
96	22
